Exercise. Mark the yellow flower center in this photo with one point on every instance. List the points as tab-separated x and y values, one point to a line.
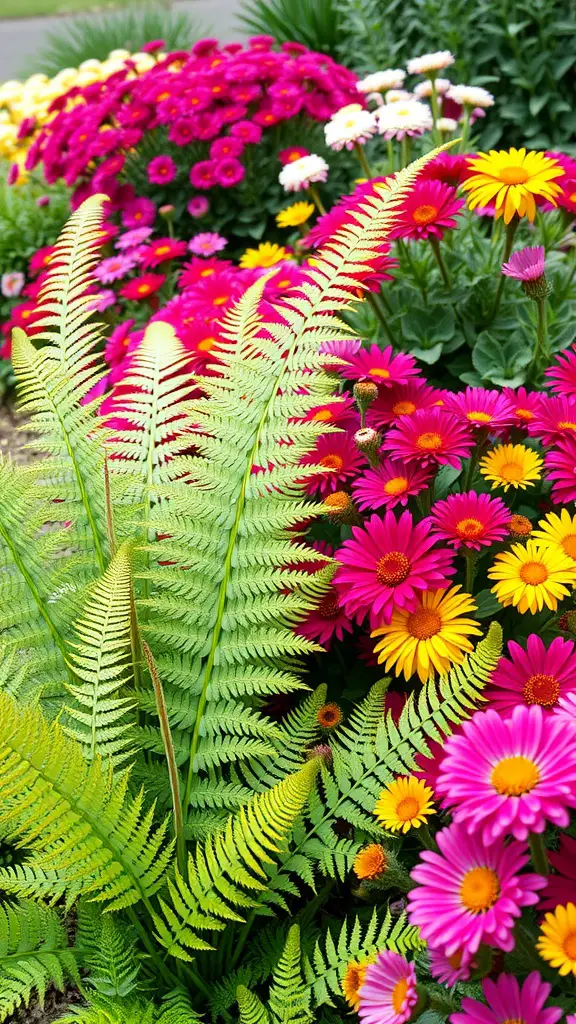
403	408
338	502
143	289
480	417
322	414
541	689
514	1020
399	993
221	299
533	573
396	485
207	273
161	250
572	198
512	471
569	946
514	776
566	425
425	214
469	528
424	623
392	569
524	414
379	371
430	441
514	175
407	808
332	462
206	345
569	544
455	960
480	889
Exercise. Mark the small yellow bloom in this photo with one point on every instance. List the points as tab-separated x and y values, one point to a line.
510	179
511	465
295	215
532	576
429	639
405	803
352	982
266	255
558	531
371	862
557	942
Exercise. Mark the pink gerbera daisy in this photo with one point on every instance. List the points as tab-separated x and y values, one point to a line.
537	675
561	887
562	373
207	243
450	969
338	454
560	466
524	404
470	520
388	993
510	1003
555	419
510	775
391	484
401	400
386	563
380	365
428	210
114	268
339	413
430	436
469	893
481	408
527	264
326	621
162	250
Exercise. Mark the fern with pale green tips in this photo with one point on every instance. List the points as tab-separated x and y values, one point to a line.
34	954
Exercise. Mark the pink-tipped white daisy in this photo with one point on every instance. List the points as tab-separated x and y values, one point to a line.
391	483
388	994
535	675
379	365
510	776
510	1003
469	893
470	520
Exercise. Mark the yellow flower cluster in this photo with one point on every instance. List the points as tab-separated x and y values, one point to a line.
32	98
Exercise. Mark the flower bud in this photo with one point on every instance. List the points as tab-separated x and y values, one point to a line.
369	441
340	508
519	527
538	288
365	392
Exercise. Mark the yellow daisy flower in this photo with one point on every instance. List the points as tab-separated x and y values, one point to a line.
266	255
352	982
405	803
557	942
371	862
510	179
295	215
532	576
431	638
511	465
558	532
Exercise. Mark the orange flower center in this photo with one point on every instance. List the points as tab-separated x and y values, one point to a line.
566	425
161	250
370	862
541	689
524	414
407	808
396	485
206	344
520	525
379	371
513	776
220	300
339	501
569	544
332	462
514	175
403	408
425	214
479	417
480	889
143	289
469	528
424	623
207	273
399	993
329	607
512	471
569	946
455	960
392	569
322	414
533	573
429	441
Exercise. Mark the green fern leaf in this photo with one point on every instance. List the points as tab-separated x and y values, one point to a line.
34	954
289	999
108	951
251	1009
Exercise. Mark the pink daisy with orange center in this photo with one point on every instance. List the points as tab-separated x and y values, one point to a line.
391	483
524	404
380	365
470	893
510	1003
470	520
481	408
510	776
429	209
388	994
430	437
387	563
326	621
535	675
562	373
341	413
450	969
401	400
560	466
339	456
555	419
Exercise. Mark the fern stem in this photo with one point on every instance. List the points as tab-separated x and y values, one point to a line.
378	313
151	948
109	511
170	756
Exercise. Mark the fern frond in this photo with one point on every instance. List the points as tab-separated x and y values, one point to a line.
34	954
82	832
229	863
108	951
250	1007
112	1012
295	736
101	658
289	999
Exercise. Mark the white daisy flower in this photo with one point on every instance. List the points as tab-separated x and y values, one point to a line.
423	90
397	95
300	174
430	62
380	81
471	96
350	126
399	119
447	124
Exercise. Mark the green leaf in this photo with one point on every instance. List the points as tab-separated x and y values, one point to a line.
488	605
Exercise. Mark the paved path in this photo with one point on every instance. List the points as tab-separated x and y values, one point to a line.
20	39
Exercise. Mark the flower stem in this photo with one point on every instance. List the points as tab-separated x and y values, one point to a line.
435	244
470	557
465	128
405	149
435	112
379	314
315	196
359	150
539	855
510	232
541	353
391	160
